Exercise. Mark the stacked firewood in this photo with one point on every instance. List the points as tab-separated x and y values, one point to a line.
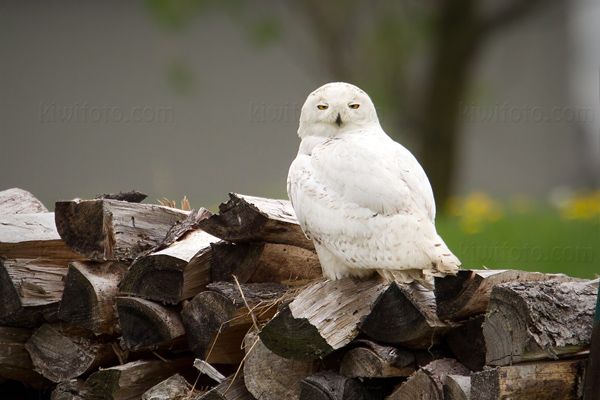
113	299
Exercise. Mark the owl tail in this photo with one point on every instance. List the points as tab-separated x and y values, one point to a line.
407	276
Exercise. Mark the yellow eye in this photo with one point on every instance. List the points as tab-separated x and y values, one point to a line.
354	106
322	107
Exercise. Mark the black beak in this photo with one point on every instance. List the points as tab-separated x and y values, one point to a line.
338	120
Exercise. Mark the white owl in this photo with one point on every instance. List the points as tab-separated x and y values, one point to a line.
362	198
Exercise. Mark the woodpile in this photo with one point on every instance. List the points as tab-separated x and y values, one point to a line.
113	299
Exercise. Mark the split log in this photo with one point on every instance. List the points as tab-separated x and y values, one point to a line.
536	320
457	387
330	385
15	362
405	314
129	381
112	230
428	382
89	295
167	275
468	344
233	388
272	377
372	360
73	389
19	201
146	324
255	219
533	381
133	196
324	317
217	320
65	351
234	259
173	388
467	294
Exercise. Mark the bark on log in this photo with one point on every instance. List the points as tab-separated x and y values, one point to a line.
405	314
19	201
256	219
467	294
457	387
536	320
228	390
131	380
372	360
173	388
330	385
324	317
89	295
272	377
133	196
217	320
468	344
112	230
146	324
428	382
15	362
65	351
532	381
167	275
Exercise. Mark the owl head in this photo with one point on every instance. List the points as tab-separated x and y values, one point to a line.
336	108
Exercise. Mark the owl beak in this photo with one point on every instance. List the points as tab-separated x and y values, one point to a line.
338	120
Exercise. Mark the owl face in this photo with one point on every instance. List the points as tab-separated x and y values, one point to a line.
336	108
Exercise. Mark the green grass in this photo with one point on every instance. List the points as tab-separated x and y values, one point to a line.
537	241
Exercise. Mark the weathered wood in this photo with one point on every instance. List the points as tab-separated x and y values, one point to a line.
15	362
112	230
329	385
457	387
217	320
405	314
592	372
532	381
133	196
73	389
129	381
428	382
89	295
272	377
372	360
255	219
167	275
233	388
536	320
467	294
324	317
206	369
147	324
468	344
65	351
235	259
173	388
19	201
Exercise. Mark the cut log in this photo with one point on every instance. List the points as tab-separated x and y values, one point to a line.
428	382
131	380
457	387
65	351
173	388
146	324
233	388
372	360
330	385
112	230
533	381
271	377
19	201
324	317
235	259
467	343
166	275
467	294
405	314
15	362
536	320
255	219
89	295
217	320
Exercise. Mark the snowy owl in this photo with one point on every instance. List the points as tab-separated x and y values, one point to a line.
362	198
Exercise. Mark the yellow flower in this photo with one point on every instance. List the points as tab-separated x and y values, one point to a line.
585	206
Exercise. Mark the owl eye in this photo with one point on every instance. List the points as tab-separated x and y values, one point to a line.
354	106
322	107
